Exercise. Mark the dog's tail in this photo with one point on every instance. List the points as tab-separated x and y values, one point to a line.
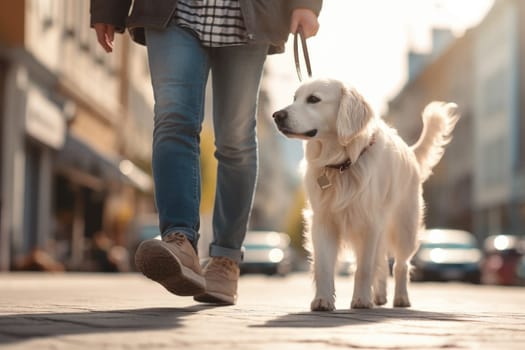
439	119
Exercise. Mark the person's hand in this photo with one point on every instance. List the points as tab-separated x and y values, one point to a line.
105	35
305	18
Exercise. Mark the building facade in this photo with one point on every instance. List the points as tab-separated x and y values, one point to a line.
68	112
479	184
499	186
447	76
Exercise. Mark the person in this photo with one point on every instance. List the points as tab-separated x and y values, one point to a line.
185	40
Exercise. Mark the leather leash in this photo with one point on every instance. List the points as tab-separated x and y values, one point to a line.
305	54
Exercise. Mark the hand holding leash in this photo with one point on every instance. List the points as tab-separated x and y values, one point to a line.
299	32
304	23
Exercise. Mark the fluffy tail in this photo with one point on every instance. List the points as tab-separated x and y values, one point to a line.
439	119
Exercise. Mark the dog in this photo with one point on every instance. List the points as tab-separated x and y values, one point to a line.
363	185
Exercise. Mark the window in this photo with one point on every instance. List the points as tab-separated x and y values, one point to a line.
493	163
70	8
44	12
495	91
83	25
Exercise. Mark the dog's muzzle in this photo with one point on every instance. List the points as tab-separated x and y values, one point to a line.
280	118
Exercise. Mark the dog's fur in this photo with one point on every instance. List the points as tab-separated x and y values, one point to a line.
375	205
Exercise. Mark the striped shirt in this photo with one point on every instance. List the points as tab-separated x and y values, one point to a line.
215	22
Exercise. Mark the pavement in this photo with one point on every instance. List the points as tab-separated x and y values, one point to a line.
128	311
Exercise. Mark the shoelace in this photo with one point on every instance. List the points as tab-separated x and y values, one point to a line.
176	237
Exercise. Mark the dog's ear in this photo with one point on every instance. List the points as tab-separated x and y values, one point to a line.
353	115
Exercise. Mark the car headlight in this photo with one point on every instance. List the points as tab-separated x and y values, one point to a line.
276	255
438	255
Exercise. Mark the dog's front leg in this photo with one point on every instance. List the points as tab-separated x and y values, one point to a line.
325	248
381	274
364	275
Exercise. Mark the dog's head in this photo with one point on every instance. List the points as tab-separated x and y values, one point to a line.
324	108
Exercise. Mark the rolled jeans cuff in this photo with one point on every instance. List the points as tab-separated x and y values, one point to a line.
234	254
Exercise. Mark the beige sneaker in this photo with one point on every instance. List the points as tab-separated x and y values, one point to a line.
173	263
222	275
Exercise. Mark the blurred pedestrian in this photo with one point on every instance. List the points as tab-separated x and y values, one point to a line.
108	256
186	39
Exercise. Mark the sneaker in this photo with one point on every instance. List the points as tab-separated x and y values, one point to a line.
222	275
173	263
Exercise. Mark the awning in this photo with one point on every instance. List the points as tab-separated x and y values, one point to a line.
79	156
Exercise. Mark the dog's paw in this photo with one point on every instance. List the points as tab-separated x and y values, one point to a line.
322	304
380	300
362	303
401	301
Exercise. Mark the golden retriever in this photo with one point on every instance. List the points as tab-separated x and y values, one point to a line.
364	186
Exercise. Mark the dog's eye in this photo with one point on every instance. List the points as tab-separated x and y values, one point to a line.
313	99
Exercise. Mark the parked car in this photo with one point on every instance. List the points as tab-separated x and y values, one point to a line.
266	252
446	254
521	271
503	255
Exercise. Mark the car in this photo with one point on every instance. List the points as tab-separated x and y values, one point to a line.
447	255
520	272
501	263
266	252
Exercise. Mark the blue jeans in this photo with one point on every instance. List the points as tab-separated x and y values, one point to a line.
179	67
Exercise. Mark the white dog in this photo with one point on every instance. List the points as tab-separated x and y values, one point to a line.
364	186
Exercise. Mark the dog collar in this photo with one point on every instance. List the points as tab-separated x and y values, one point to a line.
323	180
341	166
347	163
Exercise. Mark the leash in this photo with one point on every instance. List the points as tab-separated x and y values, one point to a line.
299	33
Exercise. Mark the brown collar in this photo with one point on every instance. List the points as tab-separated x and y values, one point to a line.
347	163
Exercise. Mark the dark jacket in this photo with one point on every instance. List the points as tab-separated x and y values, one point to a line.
267	21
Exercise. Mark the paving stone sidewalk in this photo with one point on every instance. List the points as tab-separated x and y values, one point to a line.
127	311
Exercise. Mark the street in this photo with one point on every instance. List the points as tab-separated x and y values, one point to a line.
127	311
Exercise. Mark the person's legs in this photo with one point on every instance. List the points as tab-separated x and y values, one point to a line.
179	68
236	75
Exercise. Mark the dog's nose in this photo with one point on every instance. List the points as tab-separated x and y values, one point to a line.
280	115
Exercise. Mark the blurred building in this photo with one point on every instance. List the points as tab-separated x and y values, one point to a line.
75	124
499	187
447	76
480	183
275	185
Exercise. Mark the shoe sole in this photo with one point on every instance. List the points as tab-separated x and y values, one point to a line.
159	264
215	298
